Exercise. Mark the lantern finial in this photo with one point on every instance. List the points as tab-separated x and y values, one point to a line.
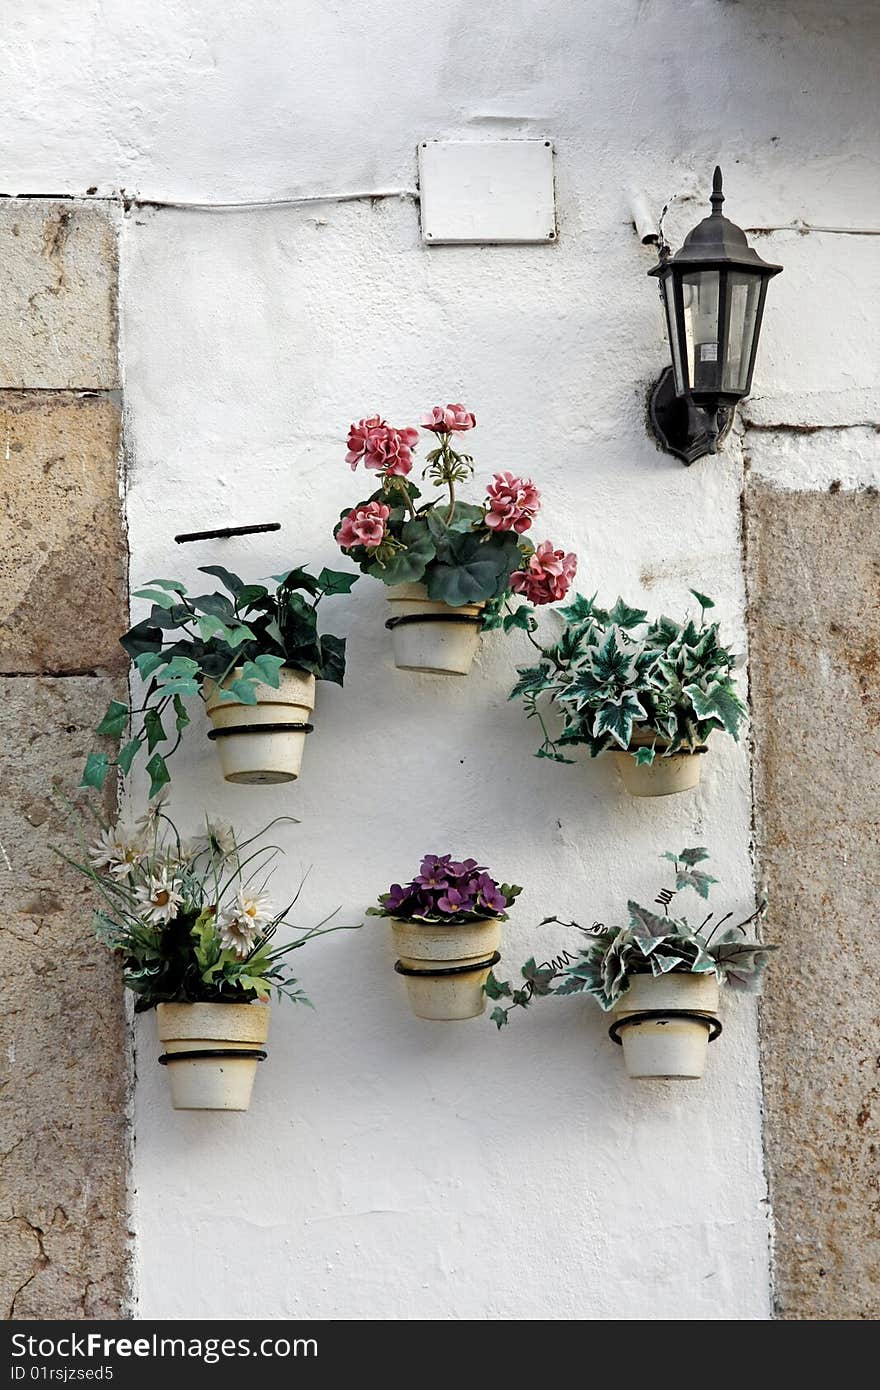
717	196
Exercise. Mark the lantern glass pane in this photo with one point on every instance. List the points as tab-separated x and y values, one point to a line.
743	296
667	289
699	290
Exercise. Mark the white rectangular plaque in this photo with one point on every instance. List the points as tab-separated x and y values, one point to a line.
486	191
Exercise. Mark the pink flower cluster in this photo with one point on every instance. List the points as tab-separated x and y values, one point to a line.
513	503
364	525
381	446
449	419
547	577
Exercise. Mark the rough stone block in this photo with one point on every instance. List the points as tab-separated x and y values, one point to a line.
814	613
63	1040
58	266
63	585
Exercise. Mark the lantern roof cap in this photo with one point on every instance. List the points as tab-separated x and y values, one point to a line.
716	242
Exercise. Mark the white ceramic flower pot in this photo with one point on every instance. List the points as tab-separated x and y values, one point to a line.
442	648
250	750
662	777
445	967
212	1083
673	1048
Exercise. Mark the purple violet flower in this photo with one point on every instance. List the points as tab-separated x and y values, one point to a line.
454	901
488	894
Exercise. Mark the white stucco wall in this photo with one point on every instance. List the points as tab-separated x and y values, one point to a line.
390	1168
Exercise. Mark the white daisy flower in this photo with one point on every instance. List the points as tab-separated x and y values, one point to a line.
155	808
119	848
160	898
218	836
239	926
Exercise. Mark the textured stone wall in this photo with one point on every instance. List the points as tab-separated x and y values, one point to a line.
813	562
63	1036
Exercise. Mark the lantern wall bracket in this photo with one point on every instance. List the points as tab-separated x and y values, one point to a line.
682	427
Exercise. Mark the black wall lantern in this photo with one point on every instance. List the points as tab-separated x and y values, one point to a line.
713	292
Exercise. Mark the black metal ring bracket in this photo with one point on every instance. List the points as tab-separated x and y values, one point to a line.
253	1053
261	729
449	969
434	618
713	1024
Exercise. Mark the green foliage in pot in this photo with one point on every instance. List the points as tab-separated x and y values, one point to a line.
189	919
191	641
620	682
653	943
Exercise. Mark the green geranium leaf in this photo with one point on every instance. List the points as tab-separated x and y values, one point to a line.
336	581
474	570
115	719
159	774
407	566
127	754
616	717
95	771
153	729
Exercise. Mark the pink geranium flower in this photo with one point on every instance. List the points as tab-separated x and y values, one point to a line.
381	446
448	419
547	576
513	503
365	525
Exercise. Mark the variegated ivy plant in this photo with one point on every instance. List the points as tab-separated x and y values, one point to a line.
192	640
654	943
620	681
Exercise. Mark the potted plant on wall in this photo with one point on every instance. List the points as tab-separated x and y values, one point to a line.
252	654
195	934
650	693
659	976
446	925
447	563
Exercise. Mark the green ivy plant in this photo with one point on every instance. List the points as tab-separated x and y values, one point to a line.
619	681
654	943
191	641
